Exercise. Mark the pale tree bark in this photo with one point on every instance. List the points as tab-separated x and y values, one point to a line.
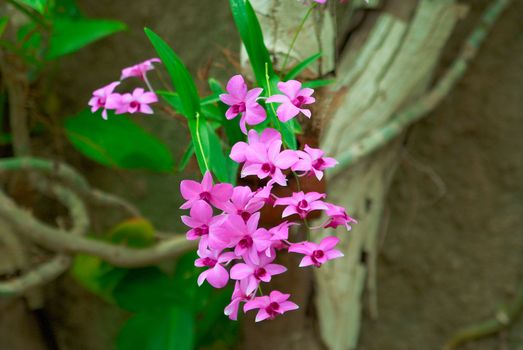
387	65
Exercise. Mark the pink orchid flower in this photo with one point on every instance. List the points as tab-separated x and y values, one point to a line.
270	305
99	99
243	101
238	295
292	100
216	195
312	160
317	254
243	202
302	203
265	195
199	221
244	236
239	149
216	274
338	216
268	161
253	273
136	102
139	70
279	235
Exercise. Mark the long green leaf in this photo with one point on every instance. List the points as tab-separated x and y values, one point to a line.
294	72
252	38
3	24
117	142
38	5
187	155
313	84
200	139
180	76
71	35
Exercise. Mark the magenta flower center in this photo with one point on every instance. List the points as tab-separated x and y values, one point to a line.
303	205
245	242
238	108
201	231
318	164
209	262
272	308
206	196
244	214
298	101
101	101
316	256
268	168
134	105
259	273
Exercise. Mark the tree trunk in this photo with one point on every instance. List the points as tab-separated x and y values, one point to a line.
387	63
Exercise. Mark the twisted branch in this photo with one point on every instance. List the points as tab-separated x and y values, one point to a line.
61	241
428	102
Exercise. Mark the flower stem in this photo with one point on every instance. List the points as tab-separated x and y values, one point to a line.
147	83
199	140
300	27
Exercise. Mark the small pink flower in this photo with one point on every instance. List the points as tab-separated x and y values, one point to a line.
243	101
243	202
302	203
320	1
270	306
238	295
312	159
99	99
279	235
199	221
216	195
264	194
317	254
268	161
253	273
216	274
292	100
139	70
136	102
244	236
239	149
338	216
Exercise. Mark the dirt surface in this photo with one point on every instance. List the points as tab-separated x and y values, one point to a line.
453	246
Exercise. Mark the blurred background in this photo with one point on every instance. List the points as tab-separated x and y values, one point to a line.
452	242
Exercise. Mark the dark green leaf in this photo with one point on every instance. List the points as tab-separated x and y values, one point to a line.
187	155
173	99
218	160
71	35
313	84
145	290
117	142
180	76
294	72
3	24
170	329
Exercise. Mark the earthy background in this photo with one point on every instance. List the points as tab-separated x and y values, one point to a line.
452	247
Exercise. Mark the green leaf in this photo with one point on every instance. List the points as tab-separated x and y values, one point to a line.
38	5
117	142
145	290
3	24
180	76
169	329
135	233
71	35
187	155
252	38
200	139
294	72
313	84
218	161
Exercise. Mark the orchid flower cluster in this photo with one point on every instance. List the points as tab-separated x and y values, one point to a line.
137	101
226	219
